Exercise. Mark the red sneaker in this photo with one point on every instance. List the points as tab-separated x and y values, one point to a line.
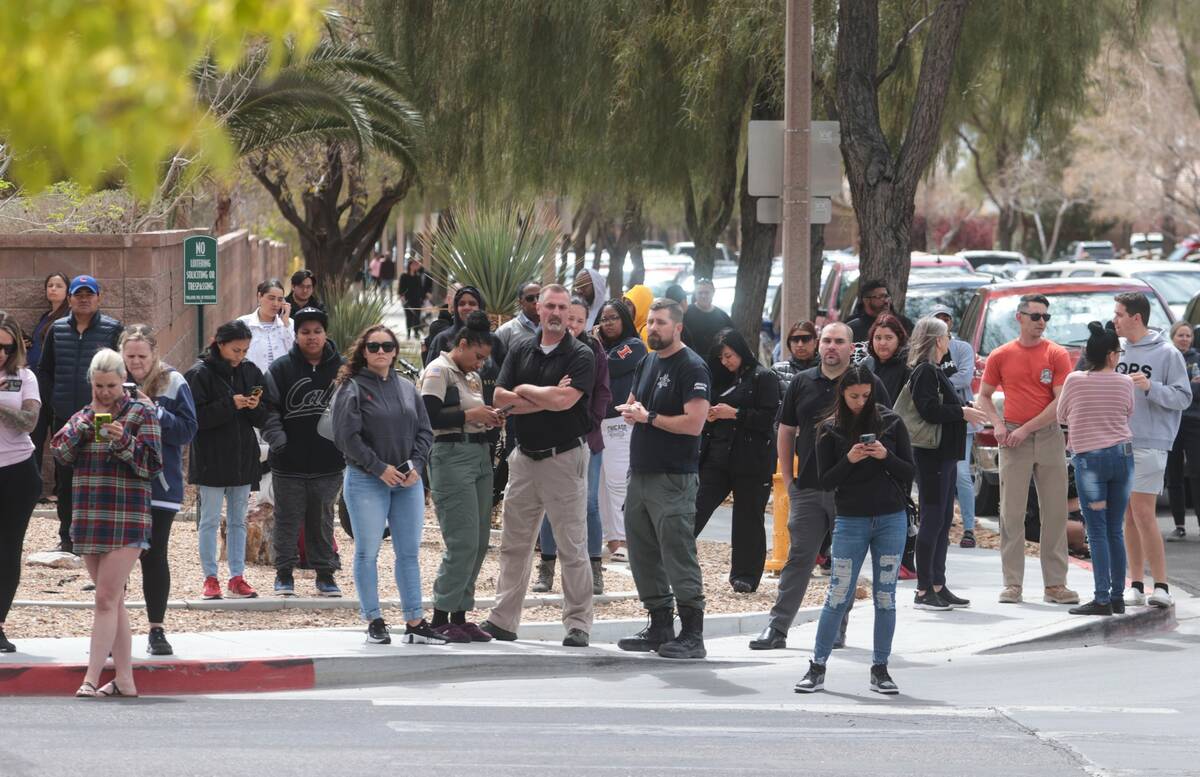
906	573
212	588
238	588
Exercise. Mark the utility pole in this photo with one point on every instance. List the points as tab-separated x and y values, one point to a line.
796	141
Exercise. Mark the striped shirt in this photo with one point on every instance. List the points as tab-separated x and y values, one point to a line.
1096	407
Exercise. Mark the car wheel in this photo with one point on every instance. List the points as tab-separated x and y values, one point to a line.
987	495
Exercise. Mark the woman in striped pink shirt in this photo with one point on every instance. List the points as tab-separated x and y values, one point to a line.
1096	405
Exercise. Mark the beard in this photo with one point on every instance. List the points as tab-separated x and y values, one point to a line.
657	343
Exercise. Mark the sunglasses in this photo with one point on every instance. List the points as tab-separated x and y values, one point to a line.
9	349
377	347
1036	316
530	298
801	338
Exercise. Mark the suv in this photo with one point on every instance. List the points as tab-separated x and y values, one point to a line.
1090	249
1177	283
843	271
990	321
953	289
992	258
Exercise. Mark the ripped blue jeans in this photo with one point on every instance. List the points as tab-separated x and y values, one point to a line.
853	537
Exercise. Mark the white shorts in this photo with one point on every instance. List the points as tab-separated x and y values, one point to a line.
1149	465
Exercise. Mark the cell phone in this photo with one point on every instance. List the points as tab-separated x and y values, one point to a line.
256	391
101	420
506	408
12	384
405	467
867	439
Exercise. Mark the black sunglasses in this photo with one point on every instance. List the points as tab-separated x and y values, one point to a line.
530	298
377	347
801	338
9	349
1037	316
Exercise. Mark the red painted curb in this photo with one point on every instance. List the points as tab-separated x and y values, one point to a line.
167	677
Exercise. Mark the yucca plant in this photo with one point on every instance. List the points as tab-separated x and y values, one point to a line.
350	311
494	248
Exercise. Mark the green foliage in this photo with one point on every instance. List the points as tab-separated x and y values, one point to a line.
351	310
95	90
495	249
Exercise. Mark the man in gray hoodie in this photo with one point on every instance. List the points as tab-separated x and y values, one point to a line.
1162	391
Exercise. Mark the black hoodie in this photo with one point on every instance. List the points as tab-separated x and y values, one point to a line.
297	395
445	340
224	451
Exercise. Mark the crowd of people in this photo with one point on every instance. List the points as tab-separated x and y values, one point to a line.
611	427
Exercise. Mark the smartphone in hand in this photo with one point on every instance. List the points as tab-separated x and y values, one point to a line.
867	439
405	467
101	420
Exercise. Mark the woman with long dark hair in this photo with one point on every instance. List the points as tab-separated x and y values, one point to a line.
59	307
271	333
865	458
1183	462
626	349
887	353
224	458
381	427
737	452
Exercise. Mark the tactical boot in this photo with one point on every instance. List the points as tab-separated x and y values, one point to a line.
659	631
545	576
690	642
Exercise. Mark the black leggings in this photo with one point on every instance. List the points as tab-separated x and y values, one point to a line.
1183	471
21	485
156	572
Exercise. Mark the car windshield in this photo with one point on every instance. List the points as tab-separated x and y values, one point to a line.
1070	312
1097	251
1177	287
921	299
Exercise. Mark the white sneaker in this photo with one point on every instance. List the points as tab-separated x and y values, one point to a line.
1160	598
1134	597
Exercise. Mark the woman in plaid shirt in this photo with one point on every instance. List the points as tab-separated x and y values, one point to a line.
114	464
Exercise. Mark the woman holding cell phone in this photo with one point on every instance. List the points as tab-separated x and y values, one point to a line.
115	447
380	425
224	460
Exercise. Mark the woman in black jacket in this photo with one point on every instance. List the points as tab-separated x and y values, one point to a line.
224	457
887	354
1183	462
737	453
864	457
936	402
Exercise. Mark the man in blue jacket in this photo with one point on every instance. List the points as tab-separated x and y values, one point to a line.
62	374
306	468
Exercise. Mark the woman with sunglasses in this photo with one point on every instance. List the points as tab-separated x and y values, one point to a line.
801	343
381	427
625	348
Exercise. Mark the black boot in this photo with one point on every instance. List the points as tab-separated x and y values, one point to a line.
659	631
690	642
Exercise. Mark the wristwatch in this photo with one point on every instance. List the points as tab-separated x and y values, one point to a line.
650	418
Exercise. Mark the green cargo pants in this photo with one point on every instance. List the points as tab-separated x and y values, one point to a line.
660	511
460	477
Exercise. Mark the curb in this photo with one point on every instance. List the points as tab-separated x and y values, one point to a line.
275	604
1093	630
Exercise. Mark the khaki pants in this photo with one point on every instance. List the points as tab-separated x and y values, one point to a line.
1041	456
556	488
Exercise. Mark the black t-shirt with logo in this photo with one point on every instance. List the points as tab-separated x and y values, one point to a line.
665	386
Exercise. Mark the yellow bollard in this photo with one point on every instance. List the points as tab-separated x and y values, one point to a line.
780	539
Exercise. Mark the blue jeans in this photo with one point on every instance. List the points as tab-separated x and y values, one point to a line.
595	534
1105	478
966	487
883	536
373	505
236	499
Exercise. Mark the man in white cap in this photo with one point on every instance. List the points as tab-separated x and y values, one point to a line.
959	366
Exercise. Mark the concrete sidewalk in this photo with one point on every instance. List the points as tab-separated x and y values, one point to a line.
249	661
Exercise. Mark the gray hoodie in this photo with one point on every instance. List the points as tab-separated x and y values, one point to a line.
378	422
1156	411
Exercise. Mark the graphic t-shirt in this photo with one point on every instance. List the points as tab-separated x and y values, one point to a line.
665	386
1027	375
16	447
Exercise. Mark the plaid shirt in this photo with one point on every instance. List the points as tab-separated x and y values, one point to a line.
111	486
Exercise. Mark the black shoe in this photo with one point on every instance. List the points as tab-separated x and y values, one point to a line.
813	681
377	633
771	638
955	602
285	584
930	601
158	645
575	638
504	635
881	681
742	587
659	631
1093	608
1179	533
65	546
423	634
1118	605
690	642
5	645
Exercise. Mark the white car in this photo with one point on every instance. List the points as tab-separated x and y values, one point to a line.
1177	282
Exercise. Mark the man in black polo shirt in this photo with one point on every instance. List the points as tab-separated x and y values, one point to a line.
667	407
544	384
809	399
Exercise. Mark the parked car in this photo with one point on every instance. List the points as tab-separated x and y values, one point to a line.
1176	282
843	271
688	248
1147	245
925	290
990	321
1186	250
991	258
1090	249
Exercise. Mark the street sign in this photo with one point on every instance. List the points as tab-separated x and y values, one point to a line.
766	159
769	210
200	270
820	211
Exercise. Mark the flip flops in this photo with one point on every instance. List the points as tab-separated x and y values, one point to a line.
110	690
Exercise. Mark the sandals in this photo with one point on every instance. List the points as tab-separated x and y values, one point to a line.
620	556
86	691
110	690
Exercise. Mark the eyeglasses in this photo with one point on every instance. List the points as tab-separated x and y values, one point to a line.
9	348
801	338
879	297
530	298
1036	316
610	319
377	347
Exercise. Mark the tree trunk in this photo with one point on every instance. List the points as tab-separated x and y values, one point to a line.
633	231
1006	226
583	224
817	257
754	266
882	185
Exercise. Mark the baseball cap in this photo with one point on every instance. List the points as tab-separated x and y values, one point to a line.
309	314
939	310
84	282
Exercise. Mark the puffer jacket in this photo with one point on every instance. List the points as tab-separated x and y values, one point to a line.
66	356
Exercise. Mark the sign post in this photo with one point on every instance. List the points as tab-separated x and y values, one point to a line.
200	278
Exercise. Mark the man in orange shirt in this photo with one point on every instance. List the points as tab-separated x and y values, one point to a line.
1031	371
